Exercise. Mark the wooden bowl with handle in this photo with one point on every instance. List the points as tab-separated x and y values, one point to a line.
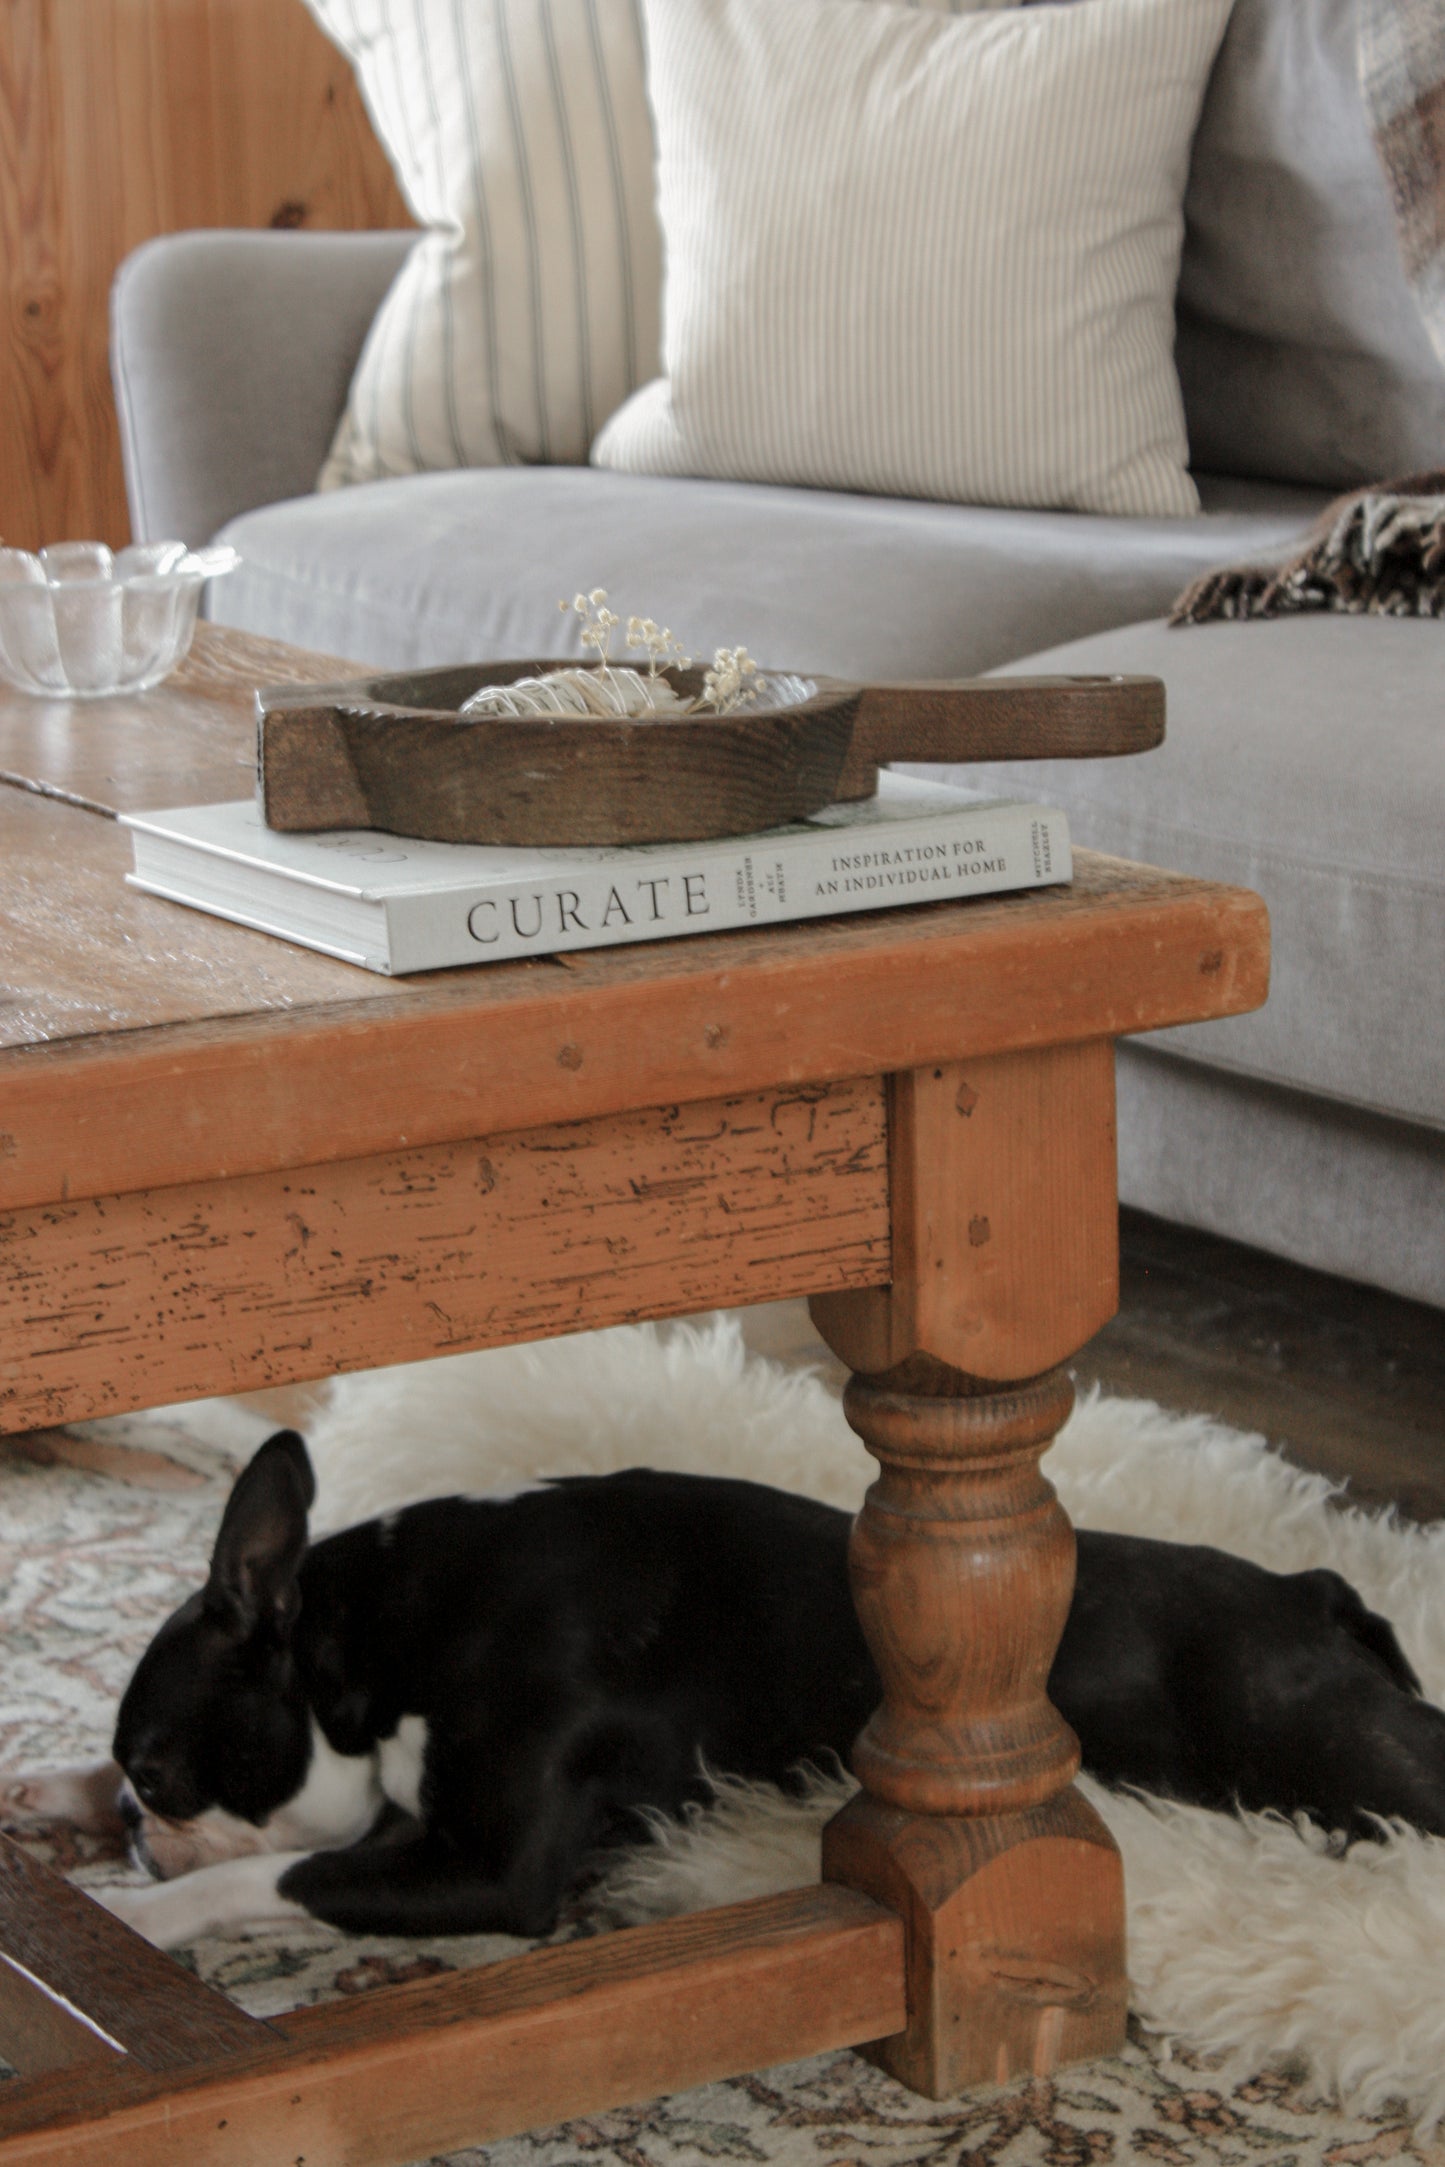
393	752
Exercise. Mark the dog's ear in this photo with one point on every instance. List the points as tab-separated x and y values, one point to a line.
262	1538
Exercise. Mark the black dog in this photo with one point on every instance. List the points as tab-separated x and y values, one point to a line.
434	1722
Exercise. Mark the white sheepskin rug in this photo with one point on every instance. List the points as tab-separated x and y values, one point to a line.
1246	1937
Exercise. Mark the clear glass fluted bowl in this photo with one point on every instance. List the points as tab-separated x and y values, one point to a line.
77	622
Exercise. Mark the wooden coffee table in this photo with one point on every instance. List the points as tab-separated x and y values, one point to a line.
228	1163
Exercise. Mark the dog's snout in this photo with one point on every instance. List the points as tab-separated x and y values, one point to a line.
128	1806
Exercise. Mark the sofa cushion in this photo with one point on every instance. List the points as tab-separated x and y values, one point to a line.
462	566
924	256
1304	758
1288	1171
1301	351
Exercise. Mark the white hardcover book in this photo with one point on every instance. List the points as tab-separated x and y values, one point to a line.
398	905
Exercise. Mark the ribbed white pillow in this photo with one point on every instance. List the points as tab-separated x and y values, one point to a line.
520	135
923	256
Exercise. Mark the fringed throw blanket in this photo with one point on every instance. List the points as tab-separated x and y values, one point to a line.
1380	549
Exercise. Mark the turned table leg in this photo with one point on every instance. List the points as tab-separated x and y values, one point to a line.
968	1825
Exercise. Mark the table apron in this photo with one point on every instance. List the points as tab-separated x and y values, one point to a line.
113	1303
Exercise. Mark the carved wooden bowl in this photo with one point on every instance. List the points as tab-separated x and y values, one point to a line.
393	753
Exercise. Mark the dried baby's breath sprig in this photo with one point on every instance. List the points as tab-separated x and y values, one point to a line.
598	622
734	681
661	648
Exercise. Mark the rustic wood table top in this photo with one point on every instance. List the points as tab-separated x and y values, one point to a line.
168	1016
226	1162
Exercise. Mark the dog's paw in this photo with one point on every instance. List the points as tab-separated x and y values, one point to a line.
82	1798
28	1798
146	1911
232	1897
126	1904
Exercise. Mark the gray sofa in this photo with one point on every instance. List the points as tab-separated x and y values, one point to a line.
1305	757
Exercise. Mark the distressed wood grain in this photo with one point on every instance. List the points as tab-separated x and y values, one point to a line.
121	119
389	752
1002	718
962	1567
125	1301
411	2070
190	741
1015	1935
82	956
1005	1217
191	734
77	1986
142	1043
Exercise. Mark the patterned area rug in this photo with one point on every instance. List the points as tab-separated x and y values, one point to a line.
103	1528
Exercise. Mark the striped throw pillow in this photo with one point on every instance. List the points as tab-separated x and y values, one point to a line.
926	257
520	134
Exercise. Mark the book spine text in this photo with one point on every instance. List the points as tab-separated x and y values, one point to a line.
768	881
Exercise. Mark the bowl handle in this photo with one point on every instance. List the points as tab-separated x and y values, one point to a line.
1002	718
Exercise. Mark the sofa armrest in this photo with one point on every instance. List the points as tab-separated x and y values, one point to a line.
231	355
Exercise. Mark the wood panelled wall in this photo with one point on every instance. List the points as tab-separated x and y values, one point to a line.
120	119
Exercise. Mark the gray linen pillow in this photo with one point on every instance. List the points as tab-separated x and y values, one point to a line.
1301	354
